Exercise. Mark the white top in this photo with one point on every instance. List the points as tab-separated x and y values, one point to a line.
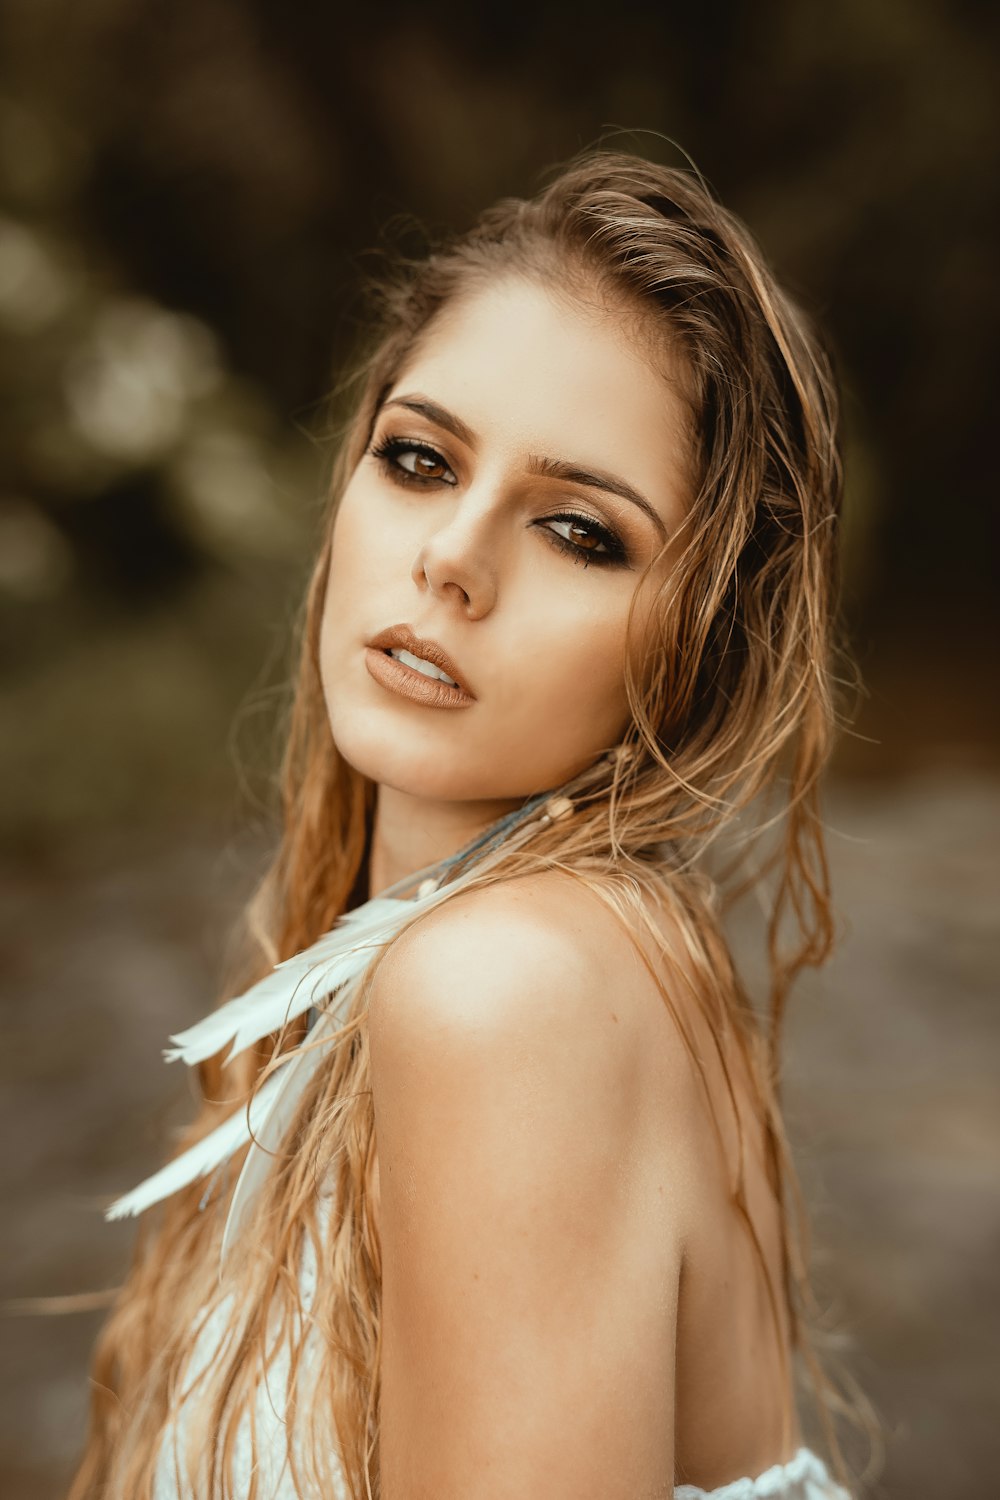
273	1476
804	1477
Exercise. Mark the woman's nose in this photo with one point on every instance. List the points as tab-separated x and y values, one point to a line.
457	561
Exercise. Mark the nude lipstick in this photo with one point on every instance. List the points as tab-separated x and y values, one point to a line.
409	681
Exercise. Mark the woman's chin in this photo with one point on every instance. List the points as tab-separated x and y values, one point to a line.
392	759
430	777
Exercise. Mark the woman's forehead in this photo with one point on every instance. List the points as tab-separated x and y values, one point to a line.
528	372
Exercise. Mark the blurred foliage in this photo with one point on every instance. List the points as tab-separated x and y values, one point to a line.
190	189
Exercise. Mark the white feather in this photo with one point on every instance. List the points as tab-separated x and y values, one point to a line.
334	959
268	1137
329	965
295	984
201	1158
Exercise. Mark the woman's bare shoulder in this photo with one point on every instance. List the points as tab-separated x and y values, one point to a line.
491	950
544	950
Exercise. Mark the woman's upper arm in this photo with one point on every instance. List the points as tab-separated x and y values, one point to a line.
528	1311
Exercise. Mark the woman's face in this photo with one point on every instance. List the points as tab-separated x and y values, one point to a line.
495	513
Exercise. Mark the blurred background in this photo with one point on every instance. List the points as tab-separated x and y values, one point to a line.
191	190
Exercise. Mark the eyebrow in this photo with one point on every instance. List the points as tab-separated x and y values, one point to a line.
547	468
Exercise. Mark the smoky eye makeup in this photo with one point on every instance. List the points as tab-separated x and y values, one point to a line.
428	464
415	463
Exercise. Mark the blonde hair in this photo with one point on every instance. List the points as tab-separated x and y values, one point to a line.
735	700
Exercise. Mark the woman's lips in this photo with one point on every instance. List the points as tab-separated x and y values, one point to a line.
410	683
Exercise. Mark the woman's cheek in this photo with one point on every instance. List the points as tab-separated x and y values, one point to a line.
586	682
354	538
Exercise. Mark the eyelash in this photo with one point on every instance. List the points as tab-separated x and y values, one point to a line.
389	449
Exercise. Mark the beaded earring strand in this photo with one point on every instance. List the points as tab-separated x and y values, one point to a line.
556	805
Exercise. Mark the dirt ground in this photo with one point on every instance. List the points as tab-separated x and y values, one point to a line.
891	1096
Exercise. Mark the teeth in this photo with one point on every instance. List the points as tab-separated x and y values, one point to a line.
428	669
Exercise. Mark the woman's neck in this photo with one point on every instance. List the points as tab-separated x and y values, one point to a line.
409	833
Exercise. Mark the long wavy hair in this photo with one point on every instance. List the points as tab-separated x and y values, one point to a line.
733	710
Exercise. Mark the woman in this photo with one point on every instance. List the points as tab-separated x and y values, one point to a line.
516	1216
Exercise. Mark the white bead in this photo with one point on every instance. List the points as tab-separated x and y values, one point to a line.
558	807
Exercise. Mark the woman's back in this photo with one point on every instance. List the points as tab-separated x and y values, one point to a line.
734	1405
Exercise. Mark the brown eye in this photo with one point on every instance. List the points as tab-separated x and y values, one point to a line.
418	462
409	462
585	538
581	537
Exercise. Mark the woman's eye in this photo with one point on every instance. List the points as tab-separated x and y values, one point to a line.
412	463
415	461
587	541
582	536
